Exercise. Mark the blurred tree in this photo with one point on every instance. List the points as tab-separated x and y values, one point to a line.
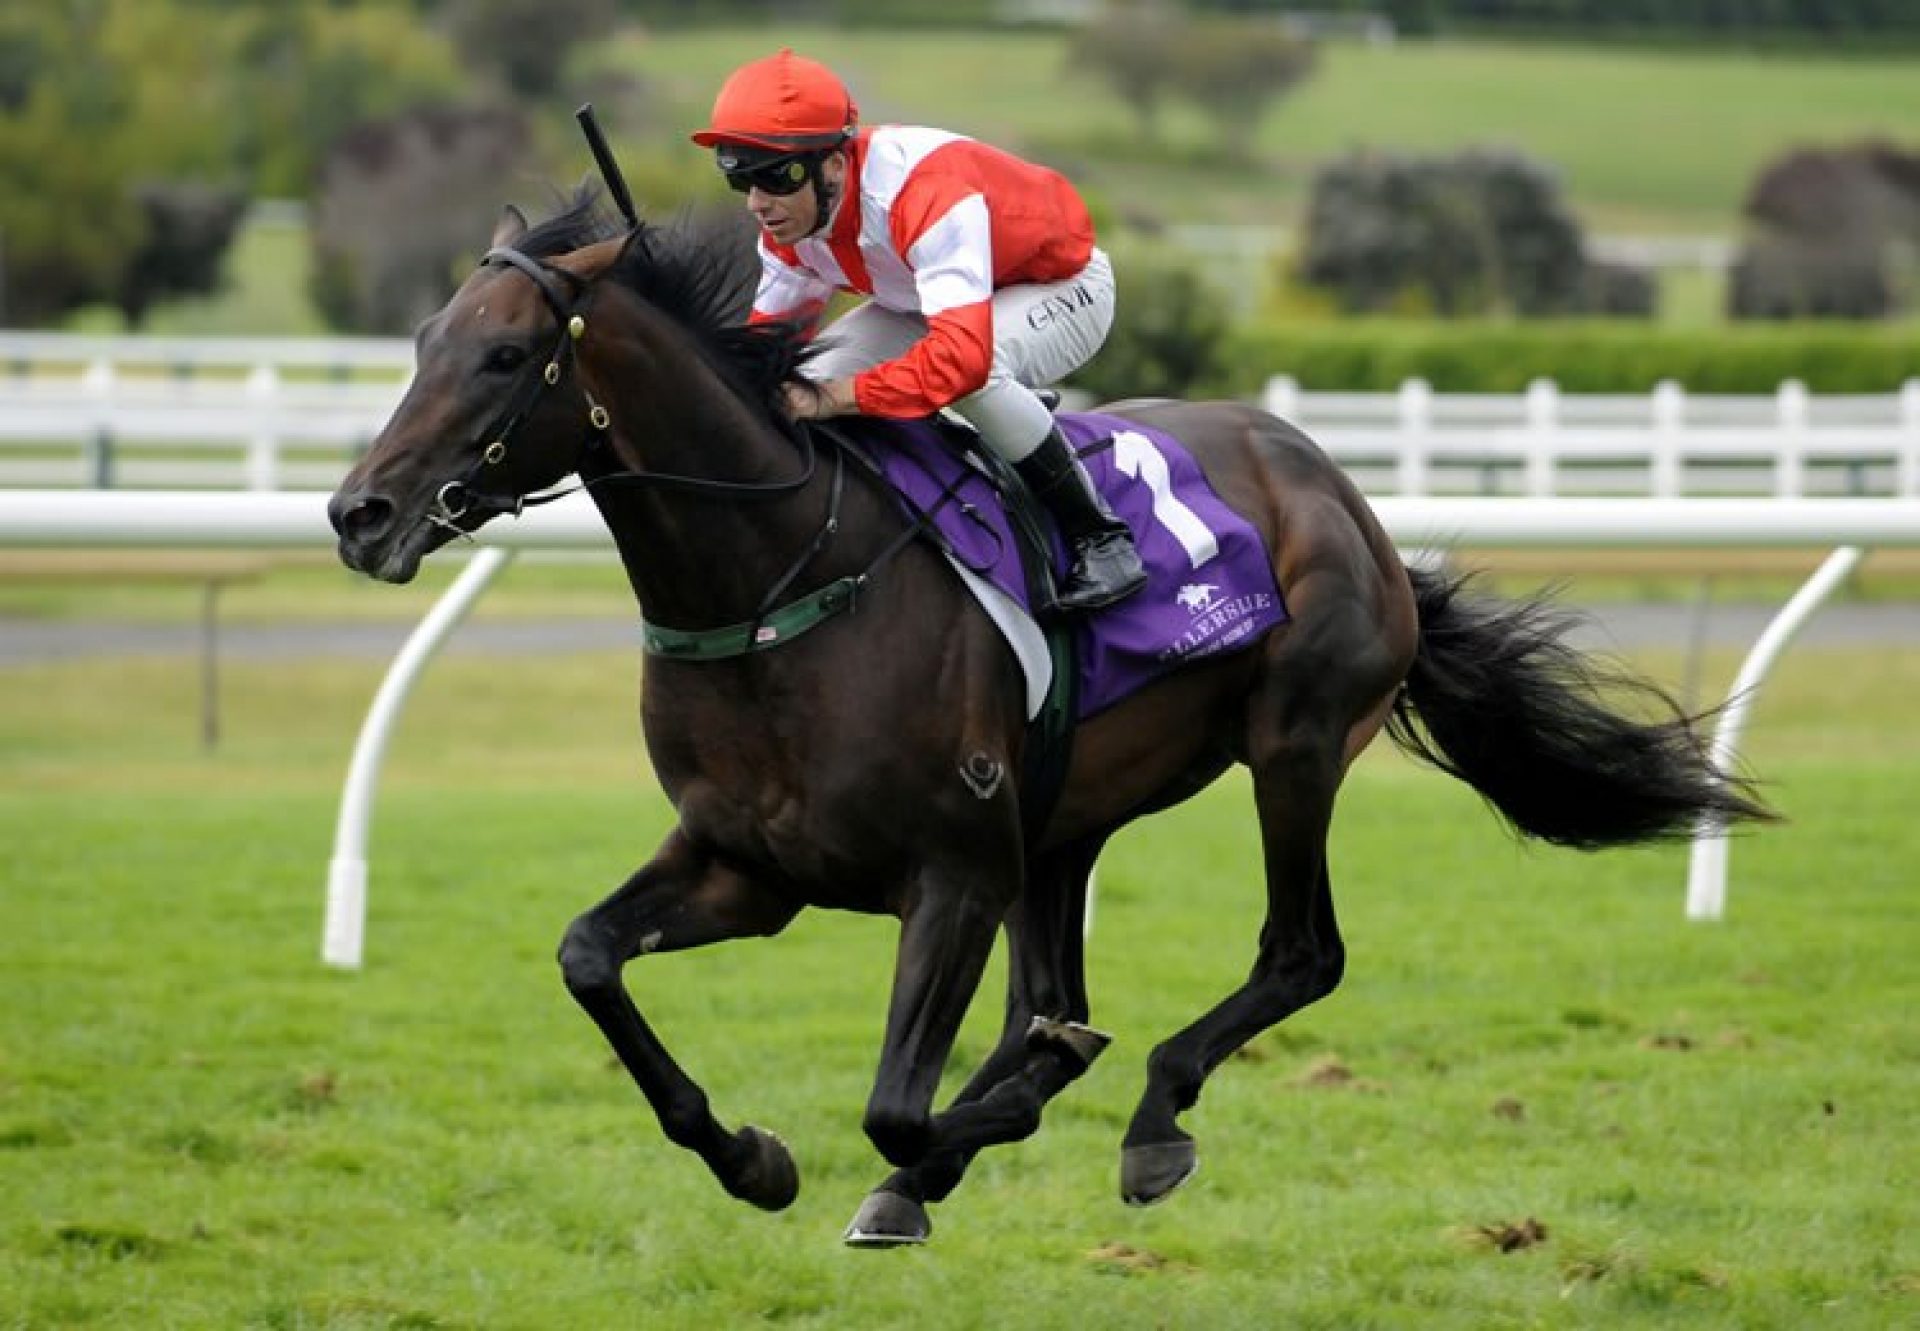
306	73
1538	255
1808	22
24	50
1128	46
403	206
122	121
66	221
1620	291
1235	70
188	229
1831	233
526	41
1481	232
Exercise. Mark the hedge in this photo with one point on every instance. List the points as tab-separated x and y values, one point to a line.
1810	21
1584	357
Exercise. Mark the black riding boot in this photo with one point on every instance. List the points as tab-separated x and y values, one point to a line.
1106	567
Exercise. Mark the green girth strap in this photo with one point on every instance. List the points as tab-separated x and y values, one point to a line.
776	628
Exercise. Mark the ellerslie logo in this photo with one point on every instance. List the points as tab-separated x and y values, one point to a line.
1196	597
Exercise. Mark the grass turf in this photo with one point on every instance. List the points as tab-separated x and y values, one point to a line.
201	1126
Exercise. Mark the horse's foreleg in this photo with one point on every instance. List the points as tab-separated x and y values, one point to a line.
682	898
1028	1066
946	934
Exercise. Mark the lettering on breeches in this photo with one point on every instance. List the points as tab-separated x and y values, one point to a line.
1052	309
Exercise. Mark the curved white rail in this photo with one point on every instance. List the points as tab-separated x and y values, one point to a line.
1707	869
343	940
158	519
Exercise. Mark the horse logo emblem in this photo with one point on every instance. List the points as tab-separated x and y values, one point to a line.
1196	596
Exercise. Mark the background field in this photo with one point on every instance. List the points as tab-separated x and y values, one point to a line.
201	1126
1647	141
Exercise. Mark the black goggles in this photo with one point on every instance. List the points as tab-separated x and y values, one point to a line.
769	173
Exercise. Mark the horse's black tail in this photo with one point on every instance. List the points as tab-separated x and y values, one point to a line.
1546	734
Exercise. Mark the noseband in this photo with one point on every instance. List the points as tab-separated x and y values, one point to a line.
460	498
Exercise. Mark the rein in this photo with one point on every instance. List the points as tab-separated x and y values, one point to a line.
773	624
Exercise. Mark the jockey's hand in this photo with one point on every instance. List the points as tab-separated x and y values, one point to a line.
807	401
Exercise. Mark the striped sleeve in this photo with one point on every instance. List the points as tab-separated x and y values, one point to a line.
942	229
788	291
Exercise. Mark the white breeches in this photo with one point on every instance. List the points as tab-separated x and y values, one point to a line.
1040	334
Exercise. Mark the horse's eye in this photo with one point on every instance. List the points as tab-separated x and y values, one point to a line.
505	358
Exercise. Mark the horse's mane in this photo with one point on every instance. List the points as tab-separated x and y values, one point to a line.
700	270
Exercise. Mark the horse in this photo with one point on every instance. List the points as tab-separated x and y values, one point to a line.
844	768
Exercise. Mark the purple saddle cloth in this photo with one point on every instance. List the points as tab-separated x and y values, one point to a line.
1210	584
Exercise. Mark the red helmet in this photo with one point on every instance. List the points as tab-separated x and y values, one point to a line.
784	102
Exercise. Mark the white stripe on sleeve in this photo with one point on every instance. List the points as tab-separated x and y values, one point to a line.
952	260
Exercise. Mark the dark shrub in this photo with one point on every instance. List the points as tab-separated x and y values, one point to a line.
401	208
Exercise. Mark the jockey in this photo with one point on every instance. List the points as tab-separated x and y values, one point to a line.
983	278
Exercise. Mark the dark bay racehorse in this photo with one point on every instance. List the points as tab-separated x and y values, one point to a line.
842	768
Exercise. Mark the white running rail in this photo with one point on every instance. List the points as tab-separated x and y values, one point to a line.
292	413
93	519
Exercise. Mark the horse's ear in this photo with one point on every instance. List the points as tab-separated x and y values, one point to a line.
511	226
588	262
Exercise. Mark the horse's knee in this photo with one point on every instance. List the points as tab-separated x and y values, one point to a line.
902	1136
587	963
1293	979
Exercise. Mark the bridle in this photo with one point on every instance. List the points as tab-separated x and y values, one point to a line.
462	498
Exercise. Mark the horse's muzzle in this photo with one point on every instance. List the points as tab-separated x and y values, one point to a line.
363	522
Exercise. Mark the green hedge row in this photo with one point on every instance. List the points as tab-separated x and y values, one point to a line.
1812	20
1378	355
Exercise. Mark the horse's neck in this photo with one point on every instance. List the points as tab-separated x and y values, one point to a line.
700	558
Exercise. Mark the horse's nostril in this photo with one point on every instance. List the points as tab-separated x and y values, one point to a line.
363	519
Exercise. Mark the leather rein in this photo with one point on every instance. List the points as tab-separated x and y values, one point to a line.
462	498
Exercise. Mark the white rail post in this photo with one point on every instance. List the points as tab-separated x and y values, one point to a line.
1669	420
1281	397
1416	427
98	385
344	938
1907	469
263	446
1543	429
1707	870
1789	466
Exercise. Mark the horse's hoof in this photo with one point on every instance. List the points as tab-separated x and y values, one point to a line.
888	1220
771	1180
1149	1173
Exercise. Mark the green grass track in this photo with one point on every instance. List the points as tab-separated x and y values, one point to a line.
201	1126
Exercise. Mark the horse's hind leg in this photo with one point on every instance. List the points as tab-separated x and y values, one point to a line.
1330	680
1029	1065
681	898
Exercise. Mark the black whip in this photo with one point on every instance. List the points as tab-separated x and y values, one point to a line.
609	169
